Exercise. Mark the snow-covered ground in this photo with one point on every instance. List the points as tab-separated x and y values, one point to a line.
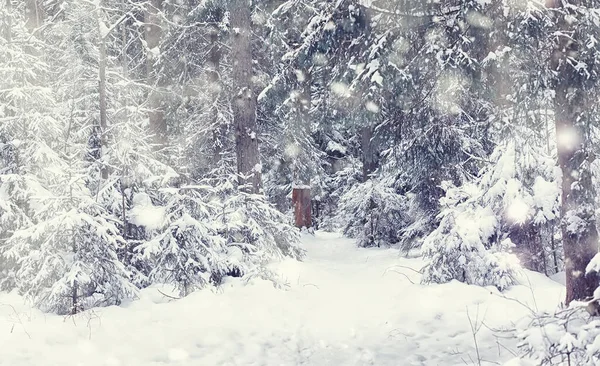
343	306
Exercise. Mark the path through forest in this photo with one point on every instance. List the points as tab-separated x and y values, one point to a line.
341	306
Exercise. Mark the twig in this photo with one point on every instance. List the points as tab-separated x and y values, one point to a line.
412	269
169	296
475	327
398	272
92	315
532	293
18	319
533	312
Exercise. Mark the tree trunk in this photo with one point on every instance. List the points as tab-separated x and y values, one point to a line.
102	94
301	129
370	160
302	207
369	153
35	14
152	35
8	22
578	222
244	102
214	62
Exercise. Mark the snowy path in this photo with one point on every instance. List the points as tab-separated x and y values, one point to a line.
341	308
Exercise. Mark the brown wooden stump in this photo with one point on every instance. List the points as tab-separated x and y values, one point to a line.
302	207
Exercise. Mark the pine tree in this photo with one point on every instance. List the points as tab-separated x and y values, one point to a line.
576	83
466	246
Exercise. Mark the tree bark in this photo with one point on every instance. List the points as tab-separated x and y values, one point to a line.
301	172
244	102
578	221
214	61
102	94
302	207
153	35
370	159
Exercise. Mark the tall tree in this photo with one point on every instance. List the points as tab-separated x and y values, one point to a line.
244	102
153	36
573	130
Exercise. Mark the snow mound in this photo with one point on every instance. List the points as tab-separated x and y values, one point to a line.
342	306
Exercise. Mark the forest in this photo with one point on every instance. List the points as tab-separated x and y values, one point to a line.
162	142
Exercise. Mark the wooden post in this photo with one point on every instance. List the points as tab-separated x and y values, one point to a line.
302	206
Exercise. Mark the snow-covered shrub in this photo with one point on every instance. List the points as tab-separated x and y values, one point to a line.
567	337
465	245
67	260
201	234
331	217
187	251
417	227
16	196
252	224
522	187
514	201
373	213
135	182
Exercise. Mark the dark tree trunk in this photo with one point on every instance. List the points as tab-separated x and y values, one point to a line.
244	102
578	221
370	158
153	34
301	130
214	62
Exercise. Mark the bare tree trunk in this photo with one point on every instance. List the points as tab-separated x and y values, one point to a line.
578	221
75	287
102	93
244	102
301	129
369	156
214	77
369	153
153	35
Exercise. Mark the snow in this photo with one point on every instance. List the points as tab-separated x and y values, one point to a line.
479	20
333	146
341	306
300	186
518	211
372	107
145	214
560	277
545	195
594	265
377	78
340	89
103	29
568	137
155	52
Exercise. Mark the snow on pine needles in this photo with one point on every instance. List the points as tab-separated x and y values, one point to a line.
341	306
